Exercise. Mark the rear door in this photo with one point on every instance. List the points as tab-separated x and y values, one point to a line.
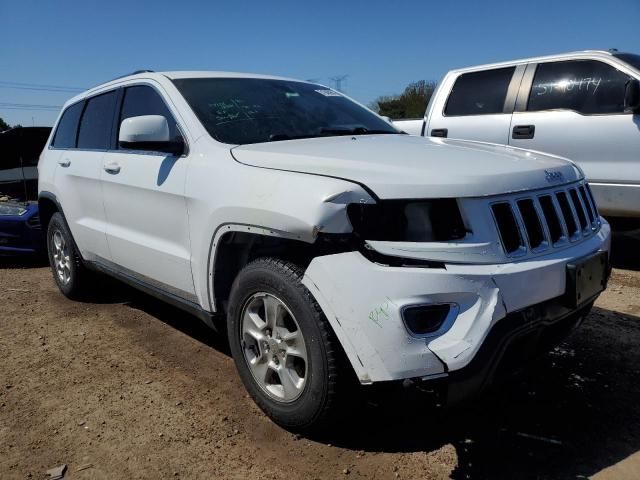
478	107
148	230
81	139
575	108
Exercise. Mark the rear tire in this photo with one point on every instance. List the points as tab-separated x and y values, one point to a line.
284	348
70	275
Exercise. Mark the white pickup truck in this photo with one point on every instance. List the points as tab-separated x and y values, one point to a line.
583	106
330	247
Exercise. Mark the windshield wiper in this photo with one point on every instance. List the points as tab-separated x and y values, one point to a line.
325	132
275	137
354	131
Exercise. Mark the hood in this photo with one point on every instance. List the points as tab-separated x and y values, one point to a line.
403	166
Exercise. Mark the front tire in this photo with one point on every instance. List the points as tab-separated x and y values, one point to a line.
70	275
283	346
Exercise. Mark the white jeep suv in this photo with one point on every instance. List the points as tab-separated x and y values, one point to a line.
337	247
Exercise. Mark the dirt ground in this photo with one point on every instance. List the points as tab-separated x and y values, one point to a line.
128	387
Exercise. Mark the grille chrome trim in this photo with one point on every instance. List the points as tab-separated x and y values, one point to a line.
579	207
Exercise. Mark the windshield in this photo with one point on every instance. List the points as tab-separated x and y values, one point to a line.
630	58
252	110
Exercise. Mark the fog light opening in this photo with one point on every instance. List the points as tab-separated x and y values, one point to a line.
429	320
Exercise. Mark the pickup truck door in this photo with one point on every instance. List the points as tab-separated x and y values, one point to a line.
147	223
575	109
475	105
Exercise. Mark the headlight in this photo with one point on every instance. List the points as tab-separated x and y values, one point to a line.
13	210
408	220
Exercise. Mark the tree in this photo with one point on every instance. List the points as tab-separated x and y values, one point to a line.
411	103
4	125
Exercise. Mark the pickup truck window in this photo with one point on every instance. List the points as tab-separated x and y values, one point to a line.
479	93
252	110
585	86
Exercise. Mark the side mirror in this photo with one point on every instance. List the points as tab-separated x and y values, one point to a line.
148	132
632	96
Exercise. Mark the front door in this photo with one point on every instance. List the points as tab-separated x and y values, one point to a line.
575	109
144	202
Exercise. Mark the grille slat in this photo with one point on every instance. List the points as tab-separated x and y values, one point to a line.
507	227
567	214
546	220
531	221
551	217
587	204
579	208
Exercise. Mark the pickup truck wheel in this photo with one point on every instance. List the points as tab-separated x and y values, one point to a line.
69	273
283	347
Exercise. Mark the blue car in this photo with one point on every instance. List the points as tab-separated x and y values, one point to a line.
20	231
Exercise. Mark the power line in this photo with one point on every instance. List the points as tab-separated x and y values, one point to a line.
39	86
28	109
28	106
42	89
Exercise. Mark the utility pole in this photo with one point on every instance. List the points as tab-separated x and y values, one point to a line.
337	81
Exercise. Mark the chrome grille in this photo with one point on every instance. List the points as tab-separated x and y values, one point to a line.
542	220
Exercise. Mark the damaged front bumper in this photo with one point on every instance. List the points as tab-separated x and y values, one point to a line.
364	302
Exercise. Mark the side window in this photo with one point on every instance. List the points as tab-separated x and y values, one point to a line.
479	93
586	86
95	125
67	130
143	100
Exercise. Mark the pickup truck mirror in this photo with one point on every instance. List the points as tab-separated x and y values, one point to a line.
632	96
148	132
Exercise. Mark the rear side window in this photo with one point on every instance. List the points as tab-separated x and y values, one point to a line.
67	130
585	86
479	93
96	122
143	100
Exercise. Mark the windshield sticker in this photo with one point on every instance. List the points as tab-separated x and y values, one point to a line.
329	93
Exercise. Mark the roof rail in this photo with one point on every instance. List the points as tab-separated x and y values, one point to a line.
132	73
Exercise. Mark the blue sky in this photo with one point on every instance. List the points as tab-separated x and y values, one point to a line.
381	45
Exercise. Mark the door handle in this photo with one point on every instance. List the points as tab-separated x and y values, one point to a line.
112	168
523	132
440	132
64	163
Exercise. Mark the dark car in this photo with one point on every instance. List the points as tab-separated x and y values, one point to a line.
19	222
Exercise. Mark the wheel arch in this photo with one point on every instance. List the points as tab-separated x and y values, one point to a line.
47	205
235	245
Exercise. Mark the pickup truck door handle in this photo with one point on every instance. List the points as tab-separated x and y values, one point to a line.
440	132
523	132
112	168
64	162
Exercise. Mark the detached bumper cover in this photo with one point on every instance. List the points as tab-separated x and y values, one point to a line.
363	302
